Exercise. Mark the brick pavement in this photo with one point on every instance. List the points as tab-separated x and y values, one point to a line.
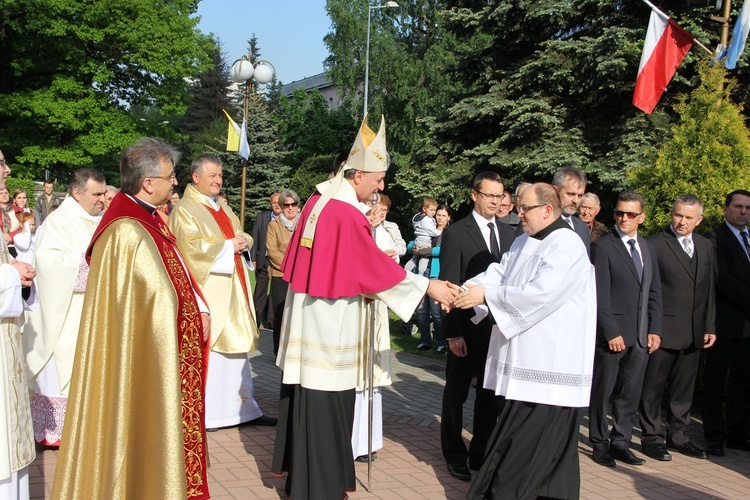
411	466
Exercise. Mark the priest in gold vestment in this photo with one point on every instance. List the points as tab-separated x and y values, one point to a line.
134	427
16	431
209	236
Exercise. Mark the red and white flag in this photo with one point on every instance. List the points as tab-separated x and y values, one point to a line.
665	46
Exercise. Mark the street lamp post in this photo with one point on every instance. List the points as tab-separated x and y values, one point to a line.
262	72
370	8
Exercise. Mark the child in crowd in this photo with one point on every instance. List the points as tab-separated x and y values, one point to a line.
425	229
24	239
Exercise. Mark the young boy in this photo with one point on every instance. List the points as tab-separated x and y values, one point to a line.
425	229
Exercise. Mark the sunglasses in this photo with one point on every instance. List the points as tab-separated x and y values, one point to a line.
287	205
619	214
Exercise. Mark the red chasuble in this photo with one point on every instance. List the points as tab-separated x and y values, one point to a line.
344	260
227	229
193	351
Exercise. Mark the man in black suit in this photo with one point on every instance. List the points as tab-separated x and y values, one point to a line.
731	353
629	311
687	284
259	257
570	184
468	247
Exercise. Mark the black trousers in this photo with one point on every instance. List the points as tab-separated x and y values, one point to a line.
279	287
458	375
730	356
675	371
263	309
619	374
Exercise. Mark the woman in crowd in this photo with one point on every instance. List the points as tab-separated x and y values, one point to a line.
428	309
11	225
277	239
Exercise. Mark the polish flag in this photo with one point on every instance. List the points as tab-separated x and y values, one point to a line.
665	46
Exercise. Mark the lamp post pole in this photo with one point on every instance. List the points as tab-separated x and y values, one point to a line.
370	8
243	70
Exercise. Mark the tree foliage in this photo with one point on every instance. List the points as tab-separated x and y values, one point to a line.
707	155
75	70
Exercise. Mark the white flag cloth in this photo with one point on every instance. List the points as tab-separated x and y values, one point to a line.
244	146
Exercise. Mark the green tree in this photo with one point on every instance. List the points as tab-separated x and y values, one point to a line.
707	155
311	128
209	95
74	71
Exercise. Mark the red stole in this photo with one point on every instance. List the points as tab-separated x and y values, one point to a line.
193	350
227	229
344	260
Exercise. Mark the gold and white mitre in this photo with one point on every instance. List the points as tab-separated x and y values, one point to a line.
368	154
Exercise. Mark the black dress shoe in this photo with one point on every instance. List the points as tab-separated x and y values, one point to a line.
657	451
264	420
603	457
715	449
364	458
459	471
739	444
626	456
690	450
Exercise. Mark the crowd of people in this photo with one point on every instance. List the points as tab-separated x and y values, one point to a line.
138	314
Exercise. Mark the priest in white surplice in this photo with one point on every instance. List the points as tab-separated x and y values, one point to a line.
209	237
542	297
51	332
16	432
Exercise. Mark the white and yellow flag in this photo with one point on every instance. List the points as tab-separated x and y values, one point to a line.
233	134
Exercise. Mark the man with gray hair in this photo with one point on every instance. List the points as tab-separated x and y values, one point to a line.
570	184
134	427
209	235
686	264
587	211
51	331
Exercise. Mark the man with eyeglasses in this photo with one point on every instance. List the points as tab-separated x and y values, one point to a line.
259	256
51	333
542	299
730	354
467	249
629	317
134	427
570	184
209	237
505	211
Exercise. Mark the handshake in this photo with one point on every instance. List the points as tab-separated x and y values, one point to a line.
451	296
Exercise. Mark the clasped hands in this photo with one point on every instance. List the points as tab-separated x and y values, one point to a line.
450	296
240	244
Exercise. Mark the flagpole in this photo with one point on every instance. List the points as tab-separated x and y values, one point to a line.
243	190
697	42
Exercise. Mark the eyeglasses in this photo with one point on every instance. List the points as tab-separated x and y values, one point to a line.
619	214
491	196
287	205
168	178
523	208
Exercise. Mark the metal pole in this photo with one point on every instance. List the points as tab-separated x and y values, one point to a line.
243	189
367	60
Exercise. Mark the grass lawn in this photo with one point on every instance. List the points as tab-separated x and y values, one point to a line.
409	343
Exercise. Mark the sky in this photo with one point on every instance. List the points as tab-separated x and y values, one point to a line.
289	32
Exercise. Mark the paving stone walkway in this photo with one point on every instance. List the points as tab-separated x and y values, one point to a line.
411	466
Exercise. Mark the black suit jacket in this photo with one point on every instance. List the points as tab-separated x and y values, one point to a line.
259	235
688	294
463	255
626	306
582	230
732	269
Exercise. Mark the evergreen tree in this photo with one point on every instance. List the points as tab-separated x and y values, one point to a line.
209	95
707	155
